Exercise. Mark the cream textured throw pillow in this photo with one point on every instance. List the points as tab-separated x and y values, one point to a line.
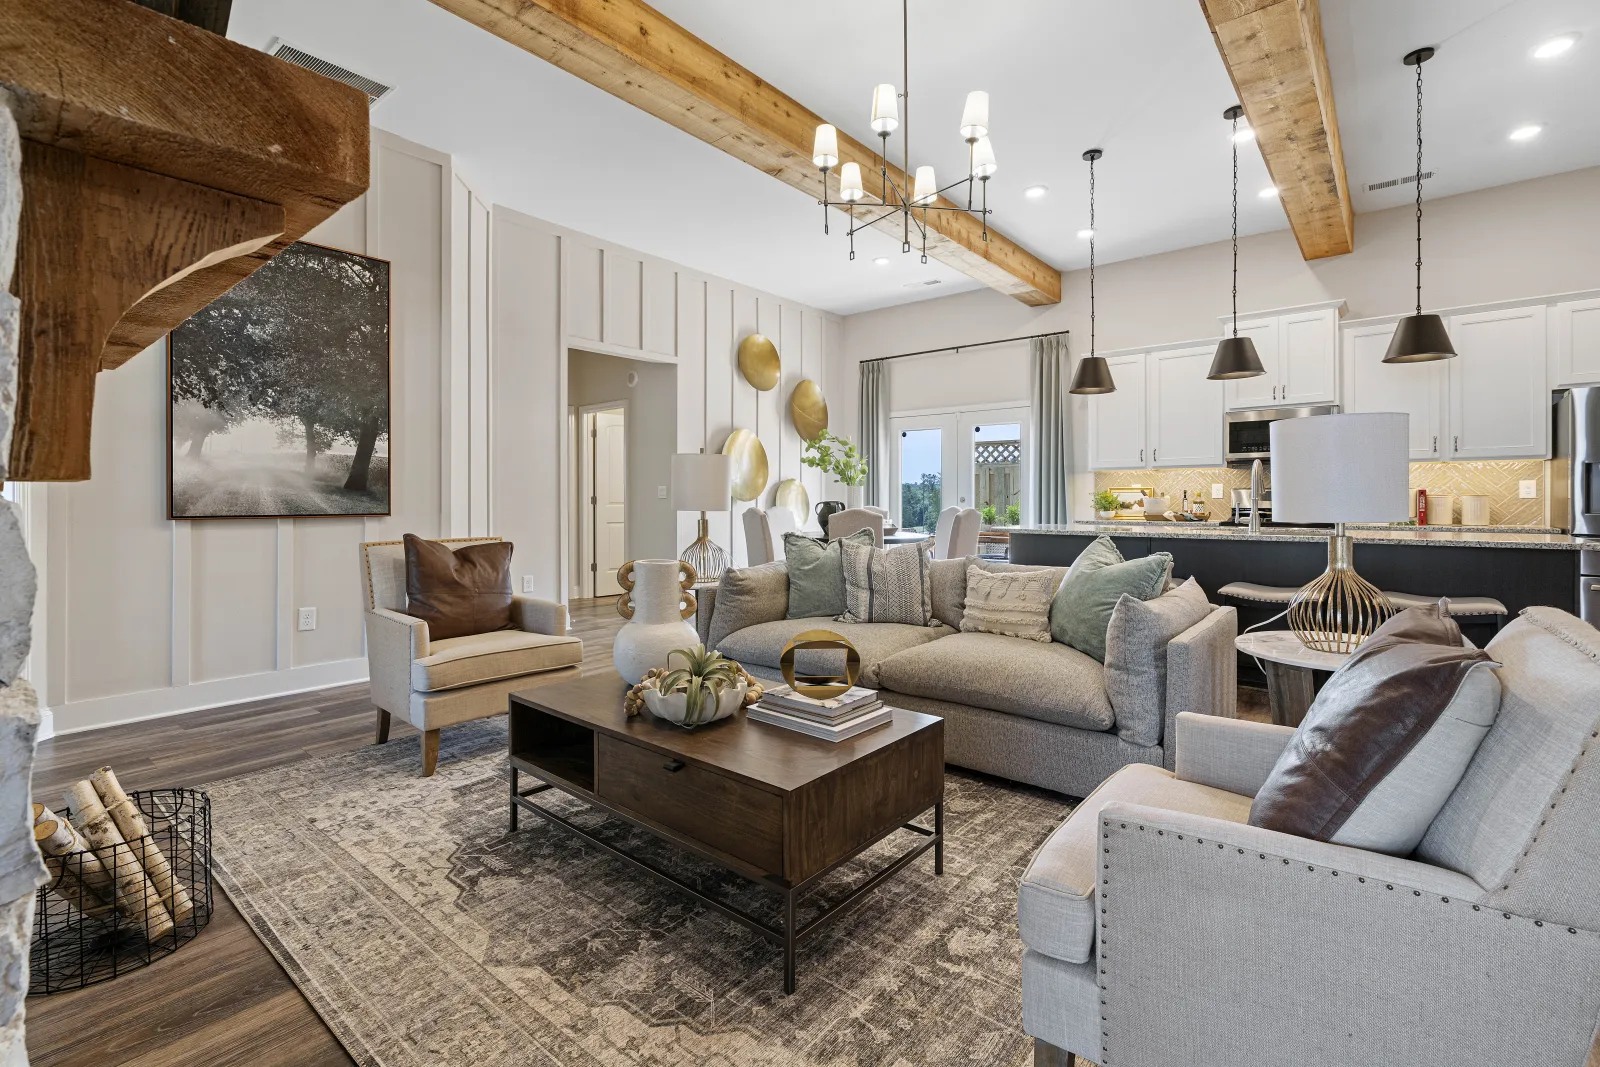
1010	603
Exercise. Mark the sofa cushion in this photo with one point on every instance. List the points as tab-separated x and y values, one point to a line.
1136	657
816	574
886	584
947	588
1081	612
459	591
1387	739
746	596
1044	681
1055	904
1015	604
461	661
762	645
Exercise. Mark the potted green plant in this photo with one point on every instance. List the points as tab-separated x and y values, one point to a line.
1106	504
832	454
988	515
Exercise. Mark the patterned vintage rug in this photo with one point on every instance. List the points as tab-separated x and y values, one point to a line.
425	934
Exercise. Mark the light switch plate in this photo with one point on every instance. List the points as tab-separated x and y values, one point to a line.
661	492
527	583
1528	488
1216	490
308	619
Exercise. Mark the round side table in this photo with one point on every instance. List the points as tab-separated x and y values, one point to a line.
1288	665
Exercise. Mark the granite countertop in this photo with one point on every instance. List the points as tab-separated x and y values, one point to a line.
1446	536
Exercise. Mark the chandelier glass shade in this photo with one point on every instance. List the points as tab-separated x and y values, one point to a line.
907	196
1419	338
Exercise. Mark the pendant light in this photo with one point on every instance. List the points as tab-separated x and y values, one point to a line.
1236	356
1093	374
1419	338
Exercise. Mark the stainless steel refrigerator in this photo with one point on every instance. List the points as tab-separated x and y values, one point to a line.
1575	484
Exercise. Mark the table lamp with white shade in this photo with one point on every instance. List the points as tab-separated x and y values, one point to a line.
703	482
1339	469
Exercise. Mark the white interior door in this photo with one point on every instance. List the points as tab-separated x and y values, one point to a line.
604	498
995	461
925	460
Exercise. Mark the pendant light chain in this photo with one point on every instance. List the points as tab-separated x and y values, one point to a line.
1092	236
1234	140
1419	188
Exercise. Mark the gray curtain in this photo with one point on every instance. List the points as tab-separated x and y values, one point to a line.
873	415
1051	370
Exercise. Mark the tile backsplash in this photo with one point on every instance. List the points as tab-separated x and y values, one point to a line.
1496	479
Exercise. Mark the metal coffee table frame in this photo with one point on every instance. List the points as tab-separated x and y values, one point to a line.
788	936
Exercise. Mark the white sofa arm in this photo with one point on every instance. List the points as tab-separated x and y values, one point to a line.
1222	943
1232	754
393	641
535	616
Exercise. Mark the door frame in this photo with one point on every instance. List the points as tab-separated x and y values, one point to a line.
956	452
582	526
968	419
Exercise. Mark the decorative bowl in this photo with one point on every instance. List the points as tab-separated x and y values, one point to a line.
670	707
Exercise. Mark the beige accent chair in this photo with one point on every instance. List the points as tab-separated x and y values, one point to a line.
433	684
964	536
846	522
942	531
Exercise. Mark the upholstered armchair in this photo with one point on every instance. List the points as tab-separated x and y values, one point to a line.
434	684
1161	929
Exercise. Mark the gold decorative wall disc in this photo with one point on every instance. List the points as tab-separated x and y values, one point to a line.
792	495
808	410
820	686
749	464
758	361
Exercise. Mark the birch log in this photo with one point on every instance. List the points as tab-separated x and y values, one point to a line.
136	896
130	822
84	882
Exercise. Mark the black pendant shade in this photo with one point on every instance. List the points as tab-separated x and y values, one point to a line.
1236	358
1419	339
1092	376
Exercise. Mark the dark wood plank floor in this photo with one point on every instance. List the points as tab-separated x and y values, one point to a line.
223	1000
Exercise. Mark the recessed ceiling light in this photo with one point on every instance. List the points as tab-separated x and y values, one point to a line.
881	261
1085	234
1034	192
1526	133
1268	193
1246	133
1555	46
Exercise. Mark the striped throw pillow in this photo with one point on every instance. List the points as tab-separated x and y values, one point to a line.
887	584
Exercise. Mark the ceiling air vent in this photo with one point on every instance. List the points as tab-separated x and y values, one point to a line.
375	90
1393	182
919	285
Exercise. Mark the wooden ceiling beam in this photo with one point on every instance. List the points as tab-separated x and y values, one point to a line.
1274	53
638	54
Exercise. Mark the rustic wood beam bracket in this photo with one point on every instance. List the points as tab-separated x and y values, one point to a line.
161	165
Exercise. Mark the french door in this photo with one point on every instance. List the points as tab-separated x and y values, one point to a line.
977	458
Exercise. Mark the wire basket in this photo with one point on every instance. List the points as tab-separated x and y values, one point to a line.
89	927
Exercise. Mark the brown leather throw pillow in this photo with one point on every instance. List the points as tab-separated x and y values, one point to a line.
458	592
1387	739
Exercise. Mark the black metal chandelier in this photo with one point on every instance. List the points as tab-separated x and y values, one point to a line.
1419	338
1093	373
1236	356
911	202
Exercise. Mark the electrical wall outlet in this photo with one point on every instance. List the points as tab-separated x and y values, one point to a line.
527	583
661	492
308	619
1216	490
1528	488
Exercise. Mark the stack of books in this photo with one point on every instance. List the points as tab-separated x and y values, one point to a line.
834	719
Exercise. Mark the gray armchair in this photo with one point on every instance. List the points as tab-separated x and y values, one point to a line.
434	684
1160	929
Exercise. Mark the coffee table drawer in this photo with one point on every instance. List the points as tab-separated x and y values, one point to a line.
721	813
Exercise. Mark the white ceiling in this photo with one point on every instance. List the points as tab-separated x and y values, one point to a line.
1141	80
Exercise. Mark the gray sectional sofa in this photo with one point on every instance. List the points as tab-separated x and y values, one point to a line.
1033	712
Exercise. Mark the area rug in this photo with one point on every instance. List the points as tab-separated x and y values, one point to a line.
426	934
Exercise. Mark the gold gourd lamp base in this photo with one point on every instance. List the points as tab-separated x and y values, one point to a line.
1338	610
708	558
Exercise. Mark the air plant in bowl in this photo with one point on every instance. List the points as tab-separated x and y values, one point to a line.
707	688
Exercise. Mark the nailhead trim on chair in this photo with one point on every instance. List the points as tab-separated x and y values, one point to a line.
1583	754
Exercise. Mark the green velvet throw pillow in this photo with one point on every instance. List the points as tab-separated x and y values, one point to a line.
816	575
1081	611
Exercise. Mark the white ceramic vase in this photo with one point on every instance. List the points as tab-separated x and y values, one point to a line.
672	707
854	495
657	604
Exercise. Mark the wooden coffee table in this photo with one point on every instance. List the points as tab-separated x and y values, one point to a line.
774	806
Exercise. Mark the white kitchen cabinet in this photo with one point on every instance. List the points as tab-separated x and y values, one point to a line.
1499	395
1185	409
1576	326
1299	348
1418	389
1117	420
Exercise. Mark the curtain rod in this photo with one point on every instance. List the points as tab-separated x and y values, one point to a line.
975	344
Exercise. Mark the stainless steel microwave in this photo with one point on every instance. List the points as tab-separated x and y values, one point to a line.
1247	435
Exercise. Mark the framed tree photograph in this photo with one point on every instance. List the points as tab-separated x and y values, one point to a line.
279	393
